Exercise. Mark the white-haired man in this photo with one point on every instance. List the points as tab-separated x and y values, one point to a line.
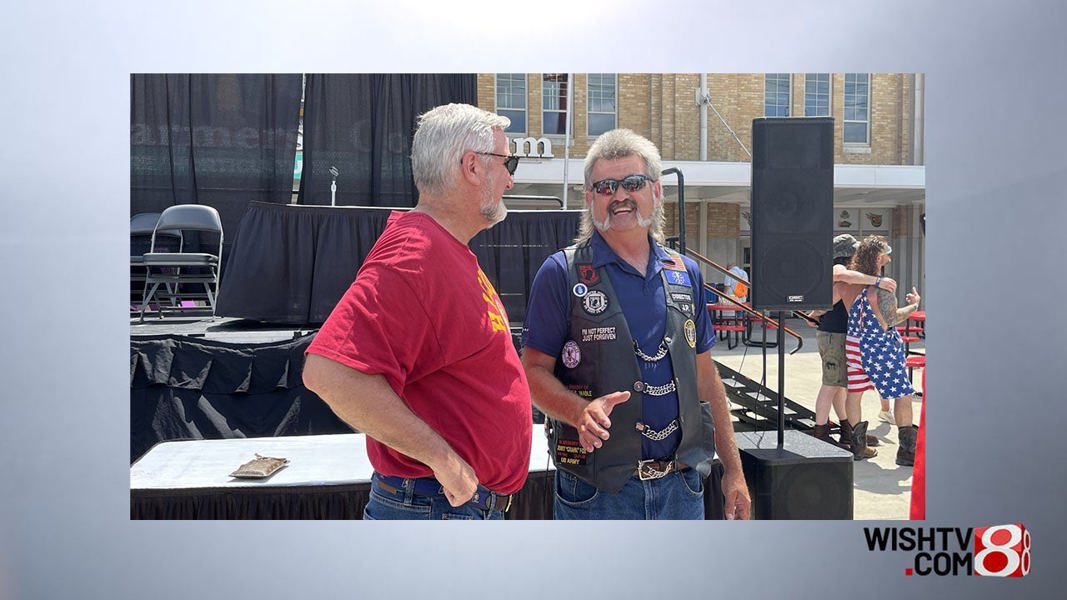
617	351
436	386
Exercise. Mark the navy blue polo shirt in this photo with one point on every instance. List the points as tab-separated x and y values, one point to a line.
643	304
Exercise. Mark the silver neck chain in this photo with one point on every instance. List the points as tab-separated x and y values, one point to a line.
660	390
661	352
658	436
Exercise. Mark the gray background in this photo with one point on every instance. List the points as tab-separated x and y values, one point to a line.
995	135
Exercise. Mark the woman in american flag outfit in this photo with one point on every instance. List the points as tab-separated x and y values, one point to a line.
874	350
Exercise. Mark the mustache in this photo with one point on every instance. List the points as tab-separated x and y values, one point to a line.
615	207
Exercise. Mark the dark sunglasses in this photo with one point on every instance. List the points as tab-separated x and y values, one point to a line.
630	183
511	162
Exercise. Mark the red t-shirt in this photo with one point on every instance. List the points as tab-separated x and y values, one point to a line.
422	314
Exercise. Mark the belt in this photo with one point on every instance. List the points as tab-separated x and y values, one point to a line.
654	469
483	498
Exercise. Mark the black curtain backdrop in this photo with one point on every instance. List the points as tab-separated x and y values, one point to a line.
363	125
219	140
512	251
184	388
291	264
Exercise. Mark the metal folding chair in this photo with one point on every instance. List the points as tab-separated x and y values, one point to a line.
141	227
170	275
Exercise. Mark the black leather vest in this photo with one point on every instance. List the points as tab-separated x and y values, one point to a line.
598	358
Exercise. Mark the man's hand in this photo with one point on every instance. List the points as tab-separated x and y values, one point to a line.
594	422
457	478
912	297
814	316
367	403
737	504
888	284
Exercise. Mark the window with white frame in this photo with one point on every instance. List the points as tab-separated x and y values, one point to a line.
817	95
511	99
554	103
603	103
776	95
857	106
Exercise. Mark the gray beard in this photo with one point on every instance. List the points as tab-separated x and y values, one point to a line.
493	210
605	225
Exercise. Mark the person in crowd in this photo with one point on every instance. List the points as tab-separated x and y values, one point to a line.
735	284
437	387
617	349
874	350
832	327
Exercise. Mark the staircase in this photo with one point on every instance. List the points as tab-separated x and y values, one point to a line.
755	407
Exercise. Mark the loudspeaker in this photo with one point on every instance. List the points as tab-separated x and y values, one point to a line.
792	213
806	479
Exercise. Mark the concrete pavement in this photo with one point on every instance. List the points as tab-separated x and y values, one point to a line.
882	489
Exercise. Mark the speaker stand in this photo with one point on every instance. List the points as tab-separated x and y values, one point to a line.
781	379
747	339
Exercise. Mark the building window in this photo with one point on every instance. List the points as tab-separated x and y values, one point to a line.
857	108
554	103
776	95
603	106
817	95
511	100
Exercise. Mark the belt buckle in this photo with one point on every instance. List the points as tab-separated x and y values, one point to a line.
491	499
495	499
645	470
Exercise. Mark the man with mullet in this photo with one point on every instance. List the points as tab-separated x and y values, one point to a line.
617	351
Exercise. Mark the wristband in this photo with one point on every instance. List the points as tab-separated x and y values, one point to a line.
877	280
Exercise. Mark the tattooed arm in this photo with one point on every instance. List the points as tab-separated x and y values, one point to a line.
890	315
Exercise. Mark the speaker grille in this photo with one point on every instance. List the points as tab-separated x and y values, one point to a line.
792	213
786	268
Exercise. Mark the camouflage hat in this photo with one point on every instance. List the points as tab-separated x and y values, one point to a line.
845	246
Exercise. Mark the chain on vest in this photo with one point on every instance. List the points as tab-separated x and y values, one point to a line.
600	357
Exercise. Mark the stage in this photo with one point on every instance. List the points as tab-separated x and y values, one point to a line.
208	394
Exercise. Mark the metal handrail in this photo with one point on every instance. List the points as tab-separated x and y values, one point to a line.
724	296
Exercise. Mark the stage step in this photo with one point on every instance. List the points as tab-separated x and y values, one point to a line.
754	404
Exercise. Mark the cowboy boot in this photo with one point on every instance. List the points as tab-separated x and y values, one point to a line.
906	451
860	450
822	432
846	436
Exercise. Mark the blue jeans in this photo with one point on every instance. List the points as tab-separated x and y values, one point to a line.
678	495
404	504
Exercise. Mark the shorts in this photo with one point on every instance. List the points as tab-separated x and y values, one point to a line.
832	354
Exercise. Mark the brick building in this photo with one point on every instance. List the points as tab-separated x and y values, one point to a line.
703	127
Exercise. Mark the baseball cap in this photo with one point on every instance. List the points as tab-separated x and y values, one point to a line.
845	245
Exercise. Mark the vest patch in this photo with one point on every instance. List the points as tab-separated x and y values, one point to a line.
691	333
570	452
572	355
675	264
598	334
580	289
678	277
582	390
595	302
587	274
681	297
